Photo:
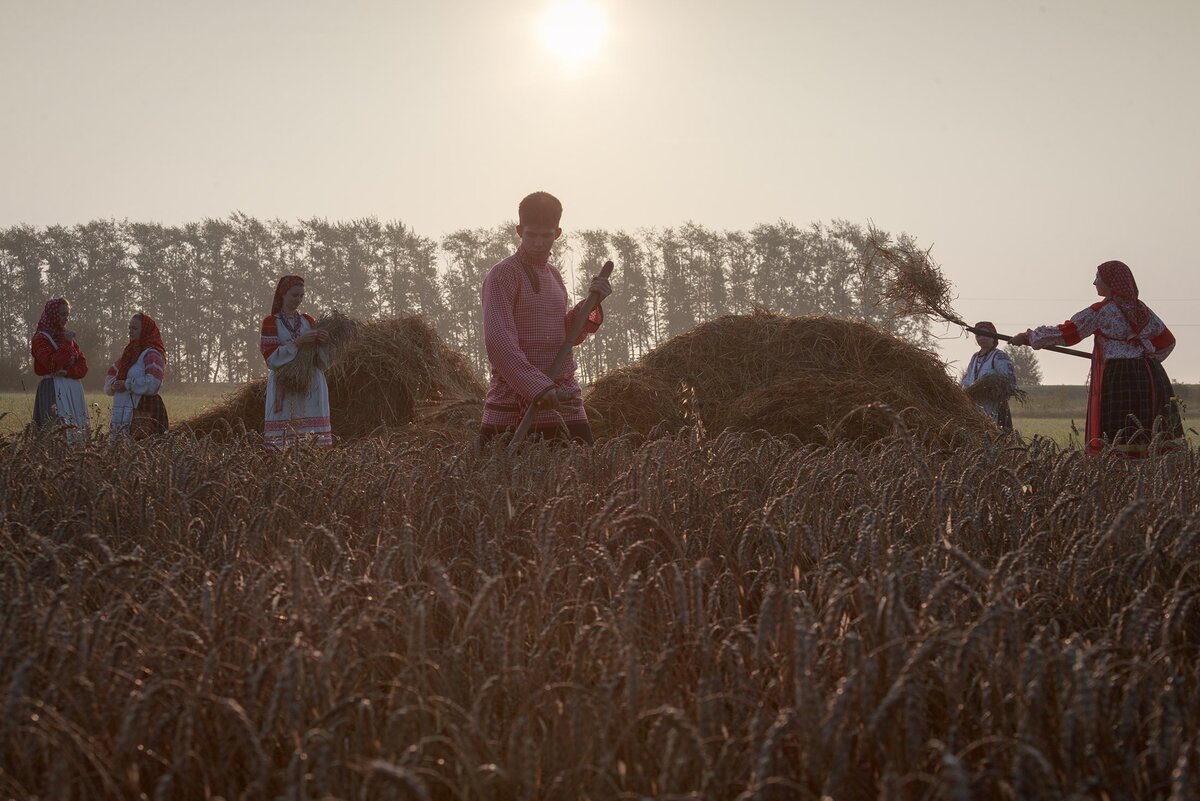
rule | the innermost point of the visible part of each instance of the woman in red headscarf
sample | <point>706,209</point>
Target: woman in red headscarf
<point>57,357</point>
<point>1129,394</point>
<point>134,379</point>
<point>292,416</point>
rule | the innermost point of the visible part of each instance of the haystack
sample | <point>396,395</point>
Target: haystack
<point>804,376</point>
<point>392,374</point>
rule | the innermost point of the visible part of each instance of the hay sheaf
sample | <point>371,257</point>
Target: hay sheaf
<point>391,374</point>
<point>802,376</point>
<point>993,389</point>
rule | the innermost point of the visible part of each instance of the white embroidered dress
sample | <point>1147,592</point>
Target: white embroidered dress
<point>145,377</point>
<point>994,362</point>
<point>289,416</point>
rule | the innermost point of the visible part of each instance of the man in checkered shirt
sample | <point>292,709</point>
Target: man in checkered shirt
<point>526,315</point>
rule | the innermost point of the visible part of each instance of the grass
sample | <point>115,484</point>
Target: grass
<point>16,408</point>
<point>1070,400</point>
<point>1051,411</point>
<point>1053,428</point>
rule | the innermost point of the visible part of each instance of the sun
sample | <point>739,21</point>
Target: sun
<point>574,30</point>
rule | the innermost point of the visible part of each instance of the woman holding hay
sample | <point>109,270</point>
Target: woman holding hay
<point>1129,393</point>
<point>990,379</point>
<point>297,354</point>
<point>134,379</point>
<point>57,357</point>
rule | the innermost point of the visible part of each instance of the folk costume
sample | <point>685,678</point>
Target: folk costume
<point>58,396</point>
<point>1128,389</point>
<point>290,416</point>
<point>992,362</point>
<point>526,314</point>
<point>138,410</point>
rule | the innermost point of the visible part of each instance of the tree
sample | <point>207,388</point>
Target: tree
<point>1025,364</point>
<point>209,282</point>
<point>22,249</point>
<point>471,253</point>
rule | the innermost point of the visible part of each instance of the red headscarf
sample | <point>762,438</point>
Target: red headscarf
<point>1123,291</point>
<point>285,283</point>
<point>149,338</point>
<point>49,321</point>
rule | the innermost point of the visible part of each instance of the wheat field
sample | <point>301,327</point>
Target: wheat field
<point>730,618</point>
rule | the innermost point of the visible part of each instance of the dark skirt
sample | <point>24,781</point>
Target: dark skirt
<point>1004,417</point>
<point>1131,404</point>
<point>149,418</point>
<point>579,432</point>
<point>44,402</point>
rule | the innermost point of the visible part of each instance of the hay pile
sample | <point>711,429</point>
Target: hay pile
<point>817,378</point>
<point>390,374</point>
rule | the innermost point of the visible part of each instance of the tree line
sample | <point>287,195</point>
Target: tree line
<point>209,283</point>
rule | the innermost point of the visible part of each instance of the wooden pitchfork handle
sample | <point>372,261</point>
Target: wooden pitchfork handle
<point>589,303</point>
<point>1056,348</point>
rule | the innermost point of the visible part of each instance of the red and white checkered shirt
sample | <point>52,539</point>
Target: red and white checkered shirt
<point>523,331</point>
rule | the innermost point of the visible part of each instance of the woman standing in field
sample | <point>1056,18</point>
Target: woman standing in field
<point>292,416</point>
<point>57,357</point>
<point>1128,390</point>
<point>134,379</point>
<point>989,360</point>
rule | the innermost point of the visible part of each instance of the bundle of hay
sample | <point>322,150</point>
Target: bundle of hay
<point>804,376</point>
<point>912,280</point>
<point>390,374</point>
<point>296,375</point>
<point>994,390</point>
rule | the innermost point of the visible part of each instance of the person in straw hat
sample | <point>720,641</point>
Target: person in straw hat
<point>291,416</point>
<point>134,379</point>
<point>1129,392</point>
<point>526,314</point>
<point>989,360</point>
<point>58,358</point>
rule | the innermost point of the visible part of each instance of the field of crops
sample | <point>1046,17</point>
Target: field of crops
<point>737,617</point>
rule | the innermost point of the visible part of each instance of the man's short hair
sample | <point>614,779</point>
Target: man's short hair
<point>540,208</point>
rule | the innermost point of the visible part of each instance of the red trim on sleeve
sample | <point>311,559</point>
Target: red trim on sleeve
<point>1070,333</point>
<point>155,365</point>
<point>268,337</point>
<point>1163,341</point>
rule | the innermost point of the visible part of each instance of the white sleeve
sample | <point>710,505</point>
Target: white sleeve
<point>283,354</point>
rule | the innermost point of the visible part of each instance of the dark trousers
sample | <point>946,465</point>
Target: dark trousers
<point>579,432</point>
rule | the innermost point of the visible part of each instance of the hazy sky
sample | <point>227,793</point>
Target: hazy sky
<point>1025,141</point>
